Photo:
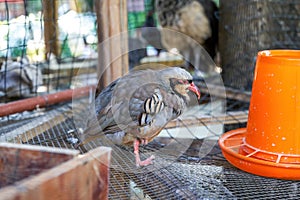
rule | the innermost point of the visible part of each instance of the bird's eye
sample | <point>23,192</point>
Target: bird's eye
<point>184,81</point>
<point>190,81</point>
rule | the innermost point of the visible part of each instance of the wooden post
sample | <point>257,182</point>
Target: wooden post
<point>51,32</point>
<point>113,41</point>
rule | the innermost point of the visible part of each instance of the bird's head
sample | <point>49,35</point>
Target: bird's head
<point>181,82</point>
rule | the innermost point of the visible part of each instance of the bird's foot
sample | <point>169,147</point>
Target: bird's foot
<point>146,162</point>
<point>138,161</point>
<point>144,141</point>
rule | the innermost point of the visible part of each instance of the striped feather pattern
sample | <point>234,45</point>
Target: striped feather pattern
<point>152,106</point>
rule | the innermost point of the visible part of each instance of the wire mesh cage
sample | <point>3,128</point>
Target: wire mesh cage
<point>189,167</point>
<point>37,57</point>
<point>247,27</point>
<point>191,176</point>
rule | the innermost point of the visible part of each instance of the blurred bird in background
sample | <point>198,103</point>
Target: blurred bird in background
<point>133,109</point>
<point>146,35</point>
<point>196,20</point>
<point>151,33</point>
<point>137,50</point>
<point>19,79</point>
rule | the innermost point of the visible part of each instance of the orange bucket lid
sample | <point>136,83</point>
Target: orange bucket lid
<point>271,142</point>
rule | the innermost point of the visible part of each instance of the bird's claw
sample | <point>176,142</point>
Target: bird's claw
<point>146,162</point>
<point>144,141</point>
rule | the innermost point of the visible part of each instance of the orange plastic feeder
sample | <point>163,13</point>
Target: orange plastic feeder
<point>270,145</point>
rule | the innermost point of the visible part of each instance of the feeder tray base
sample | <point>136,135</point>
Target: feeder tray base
<point>230,144</point>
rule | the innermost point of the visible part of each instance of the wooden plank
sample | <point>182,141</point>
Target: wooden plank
<point>221,92</point>
<point>51,32</point>
<point>115,43</point>
<point>103,72</point>
<point>124,36</point>
<point>112,37</point>
<point>84,177</point>
<point>20,161</point>
<point>227,118</point>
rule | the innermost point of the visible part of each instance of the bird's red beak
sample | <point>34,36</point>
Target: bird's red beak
<point>195,89</point>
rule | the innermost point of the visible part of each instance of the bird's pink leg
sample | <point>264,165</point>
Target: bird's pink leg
<point>144,141</point>
<point>138,161</point>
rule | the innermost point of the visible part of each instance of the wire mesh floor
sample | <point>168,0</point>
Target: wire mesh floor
<point>177,173</point>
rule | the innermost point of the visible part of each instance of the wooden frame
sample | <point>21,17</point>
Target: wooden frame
<point>52,173</point>
<point>112,40</point>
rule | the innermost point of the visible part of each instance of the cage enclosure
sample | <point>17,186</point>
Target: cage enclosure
<point>248,26</point>
<point>189,165</point>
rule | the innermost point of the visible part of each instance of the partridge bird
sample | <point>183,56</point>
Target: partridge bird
<point>133,109</point>
<point>193,22</point>
<point>151,33</point>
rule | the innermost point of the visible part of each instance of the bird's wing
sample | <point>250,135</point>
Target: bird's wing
<point>99,117</point>
<point>138,105</point>
<point>120,105</point>
<point>155,109</point>
<point>131,112</point>
<point>103,110</point>
<point>146,103</point>
<point>149,113</point>
<point>134,116</point>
